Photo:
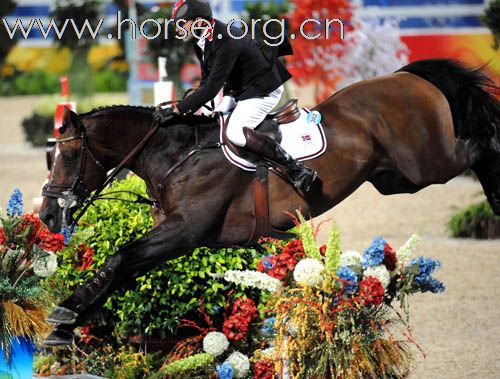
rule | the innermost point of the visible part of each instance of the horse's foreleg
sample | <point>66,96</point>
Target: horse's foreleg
<point>167,241</point>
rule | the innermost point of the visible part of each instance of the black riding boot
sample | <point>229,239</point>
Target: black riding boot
<point>301,176</point>
<point>76,310</point>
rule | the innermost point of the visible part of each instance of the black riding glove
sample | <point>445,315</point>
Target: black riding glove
<point>163,115</point>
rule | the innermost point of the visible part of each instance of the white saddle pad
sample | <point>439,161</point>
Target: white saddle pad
<point>303,140</point>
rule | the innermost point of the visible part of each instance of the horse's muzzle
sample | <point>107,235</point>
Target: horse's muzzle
<point>51,215</point>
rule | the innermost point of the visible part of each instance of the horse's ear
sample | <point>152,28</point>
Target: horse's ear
<point>66,114</point>
<point>65,120</point>
<point>75,121</point>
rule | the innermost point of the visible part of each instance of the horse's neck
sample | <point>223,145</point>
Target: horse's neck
<point>115,140</point>
<point>168,146</point>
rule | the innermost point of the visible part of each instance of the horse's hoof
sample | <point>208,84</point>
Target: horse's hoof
<point>61,315</point>
<point>59,337</point>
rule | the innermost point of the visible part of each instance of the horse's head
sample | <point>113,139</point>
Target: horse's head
<point>75,173</point>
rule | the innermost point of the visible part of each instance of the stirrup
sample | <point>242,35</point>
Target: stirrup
<point>305,180</point>
<point>61,315</point>
<point>59,337</point>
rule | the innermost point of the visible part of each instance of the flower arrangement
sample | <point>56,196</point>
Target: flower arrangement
<point>328,313</point>
<point>27,254</point>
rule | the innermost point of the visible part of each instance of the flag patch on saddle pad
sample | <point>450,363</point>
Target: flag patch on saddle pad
<point>302,139</point>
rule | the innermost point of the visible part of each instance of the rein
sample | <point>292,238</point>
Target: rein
<point>77,195</point>
<point>88,203</point>
<point>197,148</point>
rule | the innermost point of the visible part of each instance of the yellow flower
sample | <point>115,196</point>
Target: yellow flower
<point>7,71</point>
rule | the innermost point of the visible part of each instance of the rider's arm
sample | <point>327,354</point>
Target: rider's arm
<point>224,60</point>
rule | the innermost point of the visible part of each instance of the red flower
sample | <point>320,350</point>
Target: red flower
<point>263,369</point>
<point>371,291</point>
<point>50,241</point>
<point>85,256</point>
<point>266,263</point>
<point>322,249</point>
<point>3,237</point>
<point>32,222</point>
<point>85,330</point>
<point>294,247</point>
<point>390,258</point>
<point>236,326</point>
<point>286,261</point>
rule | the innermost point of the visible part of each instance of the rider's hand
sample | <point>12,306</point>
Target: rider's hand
<point>163,115</point>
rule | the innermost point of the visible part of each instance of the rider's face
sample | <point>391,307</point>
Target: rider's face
<point>193,29</point>
<point>184,31</point>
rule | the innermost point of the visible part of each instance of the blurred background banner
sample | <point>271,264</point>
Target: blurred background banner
<point>429,29</point>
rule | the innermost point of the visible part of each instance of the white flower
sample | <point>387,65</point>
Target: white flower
<point>404,253</point>
<point>268,353</point>
<point>352,260</point>
<point>240,364</point>
<point>253,279</point>
<point>46,265</point>
<point>308,271</point>
<point>215,343</point>
<point>379,272</point>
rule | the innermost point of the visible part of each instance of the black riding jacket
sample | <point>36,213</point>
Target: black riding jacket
<point>238,65</point>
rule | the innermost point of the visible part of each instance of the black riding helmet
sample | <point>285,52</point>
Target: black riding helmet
<point>191,9</point>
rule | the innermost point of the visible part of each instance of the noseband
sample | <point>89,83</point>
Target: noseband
<point>75,195</point>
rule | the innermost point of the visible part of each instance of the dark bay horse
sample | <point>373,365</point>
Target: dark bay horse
<point>422,125</point>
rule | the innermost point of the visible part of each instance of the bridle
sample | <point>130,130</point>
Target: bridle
<point>78,195</point>
<point>75,195</point>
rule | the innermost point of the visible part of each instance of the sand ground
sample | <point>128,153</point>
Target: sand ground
<point>458,330</point>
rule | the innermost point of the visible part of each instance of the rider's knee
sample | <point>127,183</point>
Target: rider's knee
<point>234,133</point>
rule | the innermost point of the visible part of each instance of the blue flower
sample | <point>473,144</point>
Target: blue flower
<point>68,233</point>
<point>15,204</point>
<point>350,278</point>
<point>430,284</point>
<point>266,261</point>
<point>426,266</point>
<point>424,280</point>
<point>225,371</point>
<point>375,253</point>
<point>268,328</point>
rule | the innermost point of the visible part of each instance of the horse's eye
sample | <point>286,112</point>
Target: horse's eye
<point>69,158</point>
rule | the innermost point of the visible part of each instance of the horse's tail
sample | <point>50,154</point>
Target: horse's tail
<point>475,111</point>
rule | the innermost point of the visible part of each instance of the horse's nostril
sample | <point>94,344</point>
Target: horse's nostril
<point>50,221</point>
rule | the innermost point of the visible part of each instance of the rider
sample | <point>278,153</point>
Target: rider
<point>236,64</point>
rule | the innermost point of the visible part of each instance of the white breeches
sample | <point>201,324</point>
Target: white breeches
<point>249,114</point>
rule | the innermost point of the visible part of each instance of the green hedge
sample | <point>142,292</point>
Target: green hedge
<point>474,221</point>
<point>164,296</point>
<point>30,83</point>
<point>491,18</point>
<point>37,128</point>
<point>40,125</point>
<point>39,82</point>
<point>110,81</point>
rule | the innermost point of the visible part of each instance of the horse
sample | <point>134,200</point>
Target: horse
<point>423,124</point>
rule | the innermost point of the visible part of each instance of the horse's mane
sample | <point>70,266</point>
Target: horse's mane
<point>106,110</point>
<point>111,111</point>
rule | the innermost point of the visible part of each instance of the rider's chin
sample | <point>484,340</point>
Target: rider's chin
<point>188,38</point>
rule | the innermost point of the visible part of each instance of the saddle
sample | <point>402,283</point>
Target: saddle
<point>287,113</point>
